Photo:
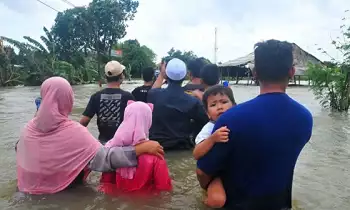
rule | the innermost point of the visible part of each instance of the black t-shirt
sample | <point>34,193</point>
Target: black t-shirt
<point>109,106</point>
<point>140,93</point>
<point>176,117</point>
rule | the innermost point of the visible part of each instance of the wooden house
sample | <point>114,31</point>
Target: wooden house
<point>242,67</point>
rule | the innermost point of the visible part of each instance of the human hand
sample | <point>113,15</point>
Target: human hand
<point>198,94</point>
<point>38,102</point>
<point>220,135</point>
<point>149,147</point>
<point>162,69</point>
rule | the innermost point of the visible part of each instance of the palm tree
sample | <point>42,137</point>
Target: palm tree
<point>38,59</point>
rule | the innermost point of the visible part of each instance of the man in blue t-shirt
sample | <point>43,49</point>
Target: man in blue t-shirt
<point>266,137</point>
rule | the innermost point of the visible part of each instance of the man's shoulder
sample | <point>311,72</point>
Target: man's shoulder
<point>239,112</point>
<point>301,111</point>
<point>97,94</point>
<point>125,92</point>
<point>143,87</point>
<point>137,88</point>
<point>191,87</point>
<point>241,108</point>
<point>191,99</point>
<point>156,90</point>
<point>113,92</point>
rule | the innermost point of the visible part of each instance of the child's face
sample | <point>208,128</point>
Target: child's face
<point>218,104</point>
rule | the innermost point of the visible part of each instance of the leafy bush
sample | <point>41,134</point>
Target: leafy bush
<point>330,81</point>
<point>330,85</point>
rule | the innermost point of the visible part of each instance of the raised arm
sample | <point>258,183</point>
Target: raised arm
<point>161,77</point>
<point>110,159</point>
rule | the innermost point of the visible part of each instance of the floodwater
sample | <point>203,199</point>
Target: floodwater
<point>321,181</point>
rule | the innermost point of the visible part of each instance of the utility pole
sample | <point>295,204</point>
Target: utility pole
<point>1,45</point>
<point>215,45</point>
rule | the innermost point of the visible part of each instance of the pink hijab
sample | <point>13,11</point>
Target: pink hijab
<point>134,129</point>
<point>53,149</point>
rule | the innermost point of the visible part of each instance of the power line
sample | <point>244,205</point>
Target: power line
<point>69,3</point>
<point>47,5</point>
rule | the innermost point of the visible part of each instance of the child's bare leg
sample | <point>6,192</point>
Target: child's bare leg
<point>216,194</point>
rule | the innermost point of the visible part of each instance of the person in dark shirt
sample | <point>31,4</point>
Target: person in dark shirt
<point>108,104</point>
<point>266,136</point>
<point>194,67</point>
<point>174,109</point>
<point>210,76</point>
<point>140,93</point>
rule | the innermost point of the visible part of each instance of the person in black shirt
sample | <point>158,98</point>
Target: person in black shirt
<point>174,110</point>
<point>210,76</point>
<point>194,68</point>
<point>108,104</point>
<point>140,93</point>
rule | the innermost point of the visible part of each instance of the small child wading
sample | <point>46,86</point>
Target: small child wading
<point>216,100</point>
<point>151,174</point>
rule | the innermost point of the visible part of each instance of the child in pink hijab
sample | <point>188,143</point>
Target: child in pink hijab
<point>152,174</point>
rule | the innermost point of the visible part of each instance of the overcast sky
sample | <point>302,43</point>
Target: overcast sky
<point>189,24</point>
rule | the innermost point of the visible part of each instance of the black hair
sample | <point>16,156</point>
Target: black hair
<point>195,66</point>
<point>114,78</point>
<point>148,74</point>
<point>210,74</point>
<point>217,89</point>
<point>273,60</point>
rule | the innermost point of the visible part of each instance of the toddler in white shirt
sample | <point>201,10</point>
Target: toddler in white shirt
<point>216,100</point>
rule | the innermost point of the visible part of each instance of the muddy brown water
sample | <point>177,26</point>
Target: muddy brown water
<point>321,181</point>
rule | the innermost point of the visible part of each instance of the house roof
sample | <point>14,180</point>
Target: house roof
<point>301,57</point>
<point>239,61</point>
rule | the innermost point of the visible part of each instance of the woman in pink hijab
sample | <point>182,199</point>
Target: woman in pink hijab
<point>55,152</point>
<point>152,174</point>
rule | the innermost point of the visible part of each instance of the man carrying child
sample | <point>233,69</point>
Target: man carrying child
<point>216,100</point>
<point>266,136</point>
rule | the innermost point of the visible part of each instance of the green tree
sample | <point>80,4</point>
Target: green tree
<point>107,24</point>
<point>185,56</point>
<point>135,56</point>
<point>92,30</point>
<point>8,72</point>
<point>72,36</point>
<point>331,85</point>
<point>37,59</point>
<point>330,82</point>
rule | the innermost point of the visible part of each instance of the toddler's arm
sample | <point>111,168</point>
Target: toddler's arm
<point>202,148</point>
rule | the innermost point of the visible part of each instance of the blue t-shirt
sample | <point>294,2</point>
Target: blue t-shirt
<point>256,165</point>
